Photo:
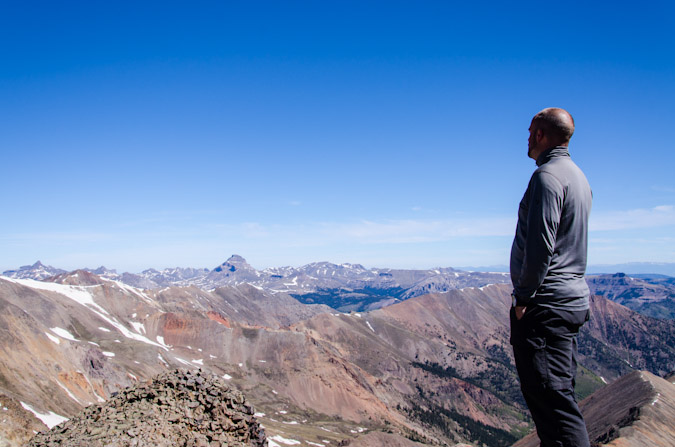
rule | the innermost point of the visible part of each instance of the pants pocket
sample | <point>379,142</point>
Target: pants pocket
<point>531,360</point>
<point>539,365</point>
<point>562,362</point>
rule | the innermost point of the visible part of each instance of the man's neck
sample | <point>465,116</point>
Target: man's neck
<point>547,154</point>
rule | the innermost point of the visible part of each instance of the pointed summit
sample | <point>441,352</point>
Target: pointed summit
<point>37,271</point>
<point>233,271</point>
<point>237,258</point>
<point>233,264</point>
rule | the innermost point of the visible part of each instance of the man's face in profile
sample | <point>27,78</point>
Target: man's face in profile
<point>532,141</point>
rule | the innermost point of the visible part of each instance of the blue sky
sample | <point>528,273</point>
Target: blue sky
<point>391,134</point>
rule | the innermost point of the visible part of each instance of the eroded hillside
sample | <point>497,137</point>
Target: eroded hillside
<point>436,368</point>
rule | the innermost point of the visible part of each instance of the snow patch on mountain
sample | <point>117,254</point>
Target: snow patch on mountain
<point>63,333</point>
<point>50,419</point>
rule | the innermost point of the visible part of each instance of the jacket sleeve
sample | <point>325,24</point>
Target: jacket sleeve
<point>543,219</point>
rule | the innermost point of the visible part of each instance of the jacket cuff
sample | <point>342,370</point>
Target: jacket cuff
<point>519,300</point>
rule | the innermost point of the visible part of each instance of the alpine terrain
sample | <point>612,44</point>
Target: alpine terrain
<point>324,354</point>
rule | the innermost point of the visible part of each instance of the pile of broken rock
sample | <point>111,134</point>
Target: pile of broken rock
<point>177,408</point>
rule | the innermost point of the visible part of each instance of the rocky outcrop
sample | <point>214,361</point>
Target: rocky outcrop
<point>178,408</point>
<point>636,410</point>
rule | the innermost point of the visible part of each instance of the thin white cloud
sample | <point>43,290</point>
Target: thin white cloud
<point>363,232</point>
<point>253,230</point>
<point>658,216</point>
<point>310,234</point>
<point>662,188</point>
<point>664,209</point>
<point>60,237</point>
<point>420,241</point>
<point>414,231</point>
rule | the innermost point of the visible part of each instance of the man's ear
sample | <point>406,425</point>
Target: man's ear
<point>539,135</point>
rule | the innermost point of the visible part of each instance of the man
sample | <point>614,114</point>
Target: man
<point>550,294</point>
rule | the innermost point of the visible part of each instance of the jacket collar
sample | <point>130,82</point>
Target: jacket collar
<point>554,152</point>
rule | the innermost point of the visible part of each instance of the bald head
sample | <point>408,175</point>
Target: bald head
<point>557,123</point>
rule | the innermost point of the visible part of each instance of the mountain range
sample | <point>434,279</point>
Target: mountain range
<point>352,287</point>
<point>652,295</point>
<point>429,367</point>
<point>345,287</point>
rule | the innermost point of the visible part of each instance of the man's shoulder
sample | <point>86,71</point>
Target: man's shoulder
<point>546,177</point>
<point>560,168</point>
<point>561,179</point>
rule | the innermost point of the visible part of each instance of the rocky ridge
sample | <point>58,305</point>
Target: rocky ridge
<point>636,410</point>
<point>176,408</point>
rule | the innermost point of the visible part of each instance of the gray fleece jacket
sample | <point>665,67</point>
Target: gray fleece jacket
<point>548,255</point>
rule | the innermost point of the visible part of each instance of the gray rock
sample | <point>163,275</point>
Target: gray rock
<point>177,408</point>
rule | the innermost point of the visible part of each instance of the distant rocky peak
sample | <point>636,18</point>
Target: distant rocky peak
<point>329,267</point>
<point>353,266</point>
<point>236,259</point>
<point>77,278</point>
<point>233,264</point>
<point>37,271</point>
<point>102,271</point>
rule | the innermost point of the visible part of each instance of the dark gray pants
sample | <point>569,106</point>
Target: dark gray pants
<point>545,349</point>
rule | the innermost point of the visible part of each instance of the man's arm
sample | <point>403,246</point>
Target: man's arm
<point>543,218</point>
